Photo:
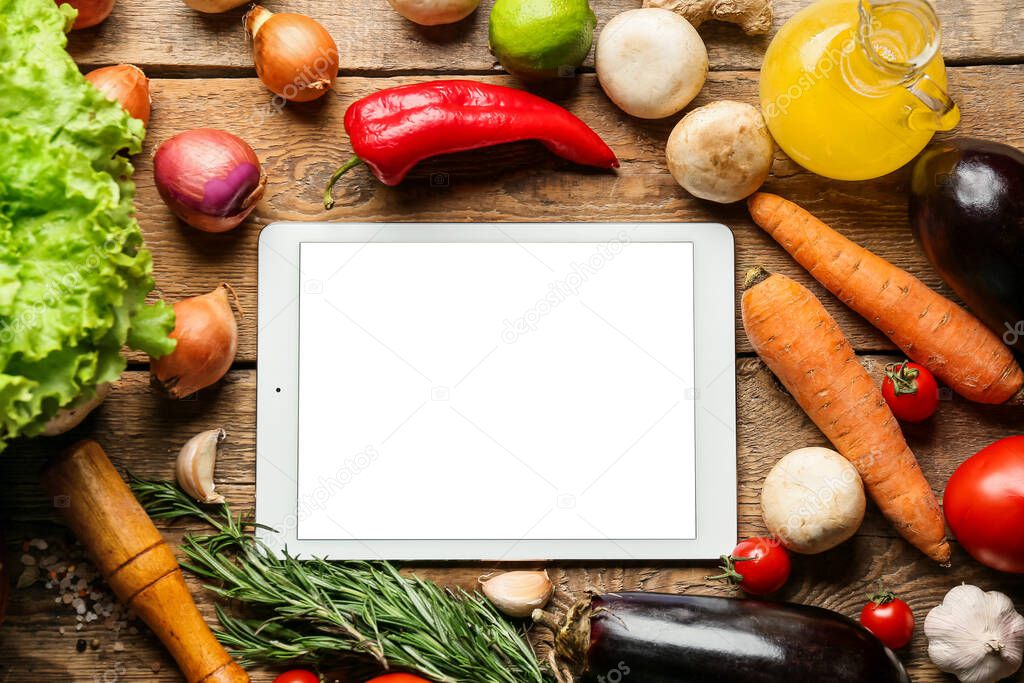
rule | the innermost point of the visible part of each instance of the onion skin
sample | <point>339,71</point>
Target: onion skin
<point>90,12</point>
<point>295,56</point>
<point>207,337</point>
<point>434,12</point>
<point>214,6</point>
<point>209,178</point>
<point>124,83</point>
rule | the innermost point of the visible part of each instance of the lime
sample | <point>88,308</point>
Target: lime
<point>541,38</point>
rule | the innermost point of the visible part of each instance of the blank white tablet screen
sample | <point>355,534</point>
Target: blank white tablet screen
<point>496,391</point>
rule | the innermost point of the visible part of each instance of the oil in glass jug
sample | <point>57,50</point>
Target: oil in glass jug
<point>854,89</point>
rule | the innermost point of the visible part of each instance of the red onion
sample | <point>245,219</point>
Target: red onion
<point>90,12</point>
<point>207,336</point>
<point>126,84</point>
<point>209,179</point>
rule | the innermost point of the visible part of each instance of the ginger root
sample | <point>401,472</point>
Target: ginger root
<point>754,17</point>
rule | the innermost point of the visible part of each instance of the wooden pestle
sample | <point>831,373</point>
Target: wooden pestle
<point>135,560</point>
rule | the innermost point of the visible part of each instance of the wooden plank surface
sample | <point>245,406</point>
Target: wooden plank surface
<point>301,146</point>
<point>142,431</point>
<point>203,77</point>
<point>170,38</point>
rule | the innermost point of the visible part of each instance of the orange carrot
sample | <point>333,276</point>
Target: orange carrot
<point>930,329</point>
<point>801,343</point>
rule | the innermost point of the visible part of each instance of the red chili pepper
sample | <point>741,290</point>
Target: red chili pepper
<point>394,129</point>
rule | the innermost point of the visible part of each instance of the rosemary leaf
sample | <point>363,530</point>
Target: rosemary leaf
<point>315,611</point>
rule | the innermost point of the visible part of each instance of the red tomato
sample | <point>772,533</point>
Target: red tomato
<point>911,391</point>
<point>890,619</point>
<point>297,676</point>
<point>984,505</point>
<point>757,565</point>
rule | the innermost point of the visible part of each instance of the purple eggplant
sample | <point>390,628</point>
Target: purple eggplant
<point>659,638</point>
<point>967,211</point>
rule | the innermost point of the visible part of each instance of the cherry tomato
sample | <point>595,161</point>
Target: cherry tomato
<point>297,676</point>
<point>911,391</point>
<point>984,505</point>
<point>889,618</point>
<point>757,565</point>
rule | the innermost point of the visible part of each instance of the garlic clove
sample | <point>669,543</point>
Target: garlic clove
<point>195,464</point>
<point>517,594</point>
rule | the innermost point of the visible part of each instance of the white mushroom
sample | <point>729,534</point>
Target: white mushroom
<point>721,151</point>
<point>812,500</point>
<point>651,62</point>
<point>434,12</point>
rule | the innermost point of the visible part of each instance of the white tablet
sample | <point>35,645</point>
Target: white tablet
<point>497,391</point>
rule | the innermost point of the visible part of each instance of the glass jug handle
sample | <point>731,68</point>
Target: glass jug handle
<point>939,111</point>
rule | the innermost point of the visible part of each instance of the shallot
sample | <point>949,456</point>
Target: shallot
<point>214,6</point>
<point>124,83</point>
<point>295,56</point>
<point>207,337</point>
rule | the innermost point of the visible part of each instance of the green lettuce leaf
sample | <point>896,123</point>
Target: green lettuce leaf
<point>74,275</point>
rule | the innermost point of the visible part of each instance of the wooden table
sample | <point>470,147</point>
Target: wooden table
<point>202,76</point>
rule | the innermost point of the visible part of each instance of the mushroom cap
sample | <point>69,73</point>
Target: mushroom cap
<point>651,62</point>
<point>813,500</point>
<point>721,151</point>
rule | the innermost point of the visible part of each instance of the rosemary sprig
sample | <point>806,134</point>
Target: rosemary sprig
<point>317,611</point>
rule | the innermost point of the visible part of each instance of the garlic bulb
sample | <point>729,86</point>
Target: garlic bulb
<point>517,594</point>
<point>975,635</point>
<point>194,468</point>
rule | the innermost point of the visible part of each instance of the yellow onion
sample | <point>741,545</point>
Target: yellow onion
<point>207,336</point>
<point>126,84</point>
<point>295,56</point>
<point>209,178</point>
<point>90,12</point>
<point>214,6</point>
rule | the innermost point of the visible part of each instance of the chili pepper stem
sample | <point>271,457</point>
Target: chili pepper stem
<point>351,163</point>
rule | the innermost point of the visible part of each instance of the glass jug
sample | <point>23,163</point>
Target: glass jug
<point>854,89</point>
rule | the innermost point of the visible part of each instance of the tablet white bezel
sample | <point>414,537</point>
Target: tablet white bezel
<point>715,392</point>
